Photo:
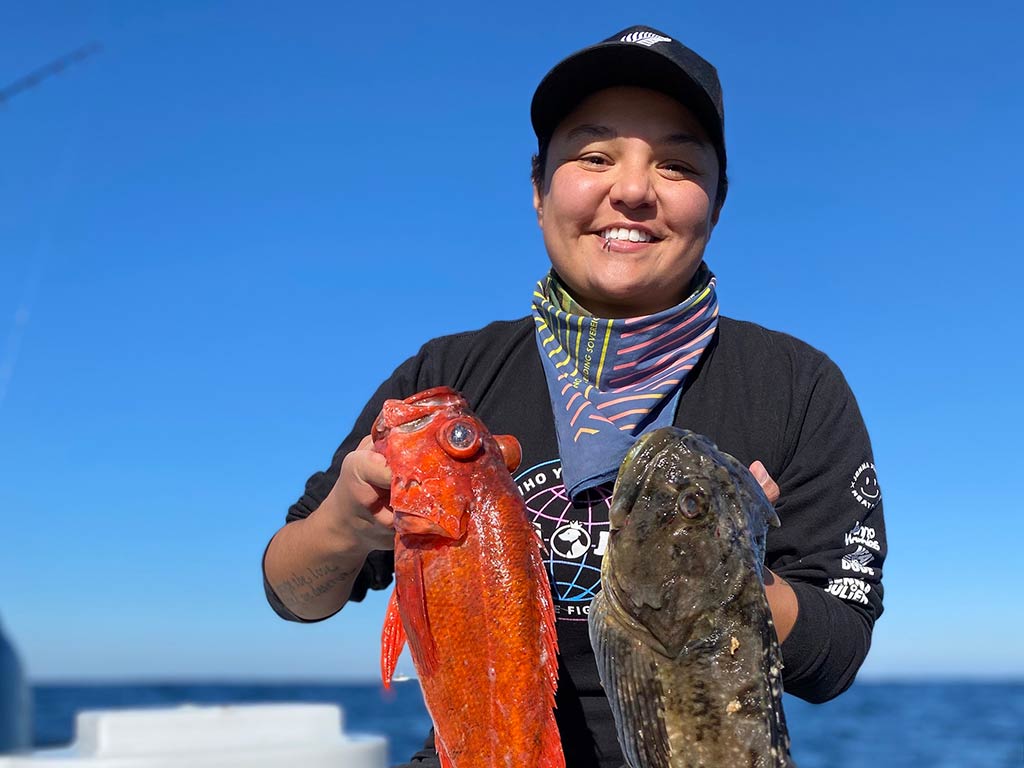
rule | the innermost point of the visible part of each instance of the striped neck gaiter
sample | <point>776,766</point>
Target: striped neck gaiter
<point>610,381</point>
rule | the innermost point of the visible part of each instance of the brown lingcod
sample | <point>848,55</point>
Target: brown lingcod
<point>681,630</point>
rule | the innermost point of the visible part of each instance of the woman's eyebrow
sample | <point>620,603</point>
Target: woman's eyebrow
<point>684,138</point>
<point>596,131</point>
<point>591,131</point>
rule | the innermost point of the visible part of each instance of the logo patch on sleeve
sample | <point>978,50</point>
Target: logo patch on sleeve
<point>864,486</point>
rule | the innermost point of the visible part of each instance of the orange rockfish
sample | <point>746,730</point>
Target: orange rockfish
<point>471,594</point>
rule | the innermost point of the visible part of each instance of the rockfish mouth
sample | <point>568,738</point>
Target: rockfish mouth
<point>428,439</point>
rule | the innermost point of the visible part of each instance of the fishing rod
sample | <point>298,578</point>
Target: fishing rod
<point>55,67</point>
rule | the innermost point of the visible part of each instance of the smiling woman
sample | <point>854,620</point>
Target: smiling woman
<point>628,201</point>
<point>624,337</point>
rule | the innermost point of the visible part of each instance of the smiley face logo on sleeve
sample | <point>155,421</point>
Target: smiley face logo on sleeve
<point>864,486</point>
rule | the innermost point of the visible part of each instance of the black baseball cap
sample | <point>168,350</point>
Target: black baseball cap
<point>637,56</point>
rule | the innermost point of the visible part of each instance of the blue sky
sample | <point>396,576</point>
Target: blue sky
<point>218,234</point>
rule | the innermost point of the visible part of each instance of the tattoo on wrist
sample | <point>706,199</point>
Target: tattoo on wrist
<point>303,588</point>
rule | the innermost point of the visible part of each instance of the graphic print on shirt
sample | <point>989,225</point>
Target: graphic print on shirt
<point>858,560</point>
<point>854,590</point>
<point>864,486</point>
<point>865,545</point>
<point>863,535</point>
<point>574,533</point>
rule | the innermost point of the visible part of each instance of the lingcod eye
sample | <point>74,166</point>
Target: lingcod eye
<point>691,503</point>
<point>460,438</point>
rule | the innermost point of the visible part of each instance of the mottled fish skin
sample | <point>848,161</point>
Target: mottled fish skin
<point>681,630</point>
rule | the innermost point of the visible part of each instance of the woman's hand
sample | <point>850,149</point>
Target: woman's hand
<point>781,597</point>
<point>769,486</point>
<point>356,510</point>
<point>312,564</point>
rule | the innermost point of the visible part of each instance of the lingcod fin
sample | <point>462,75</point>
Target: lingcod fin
<point>392,640</point>
<point>629,674</point>
<point>773,663</point>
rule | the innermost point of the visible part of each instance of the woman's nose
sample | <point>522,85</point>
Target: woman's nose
<point>633,186</point>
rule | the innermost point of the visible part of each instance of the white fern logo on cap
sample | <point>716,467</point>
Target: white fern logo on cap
<point>645,38</point>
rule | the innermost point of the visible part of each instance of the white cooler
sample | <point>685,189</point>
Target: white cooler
<point>242,736</point>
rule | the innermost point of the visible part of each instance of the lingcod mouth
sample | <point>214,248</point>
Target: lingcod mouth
<point>628,234</point>
<point>633,472</point>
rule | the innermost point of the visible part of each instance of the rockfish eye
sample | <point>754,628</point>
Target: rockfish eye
<point>692,502</point>
<point>460,438</point>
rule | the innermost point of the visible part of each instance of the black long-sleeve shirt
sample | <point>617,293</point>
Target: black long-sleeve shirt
<point>760,395</point>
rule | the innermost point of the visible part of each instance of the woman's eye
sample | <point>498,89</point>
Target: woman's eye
<point>677,170</point>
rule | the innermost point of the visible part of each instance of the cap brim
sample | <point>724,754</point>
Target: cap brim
<point>612,64</point>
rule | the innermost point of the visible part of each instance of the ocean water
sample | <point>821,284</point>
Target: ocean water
<point>877,725</point>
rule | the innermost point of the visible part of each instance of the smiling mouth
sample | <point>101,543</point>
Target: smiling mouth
<point>620,234</point>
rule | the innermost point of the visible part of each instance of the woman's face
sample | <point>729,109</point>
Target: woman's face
<point>628,201</point>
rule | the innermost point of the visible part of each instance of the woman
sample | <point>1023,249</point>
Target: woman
<point>625,336</point>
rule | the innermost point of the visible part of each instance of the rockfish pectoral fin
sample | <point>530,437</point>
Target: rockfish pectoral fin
<point>511,451</point>
<point>629,674</point>
<point>414,610</point>
<point>442,753</point>
<point>392,640</point>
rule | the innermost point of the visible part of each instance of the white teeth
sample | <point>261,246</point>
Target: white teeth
<point>622,233</point>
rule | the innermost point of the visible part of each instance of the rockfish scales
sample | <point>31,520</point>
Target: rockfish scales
<point>681,629</point>
<point>471,594</point>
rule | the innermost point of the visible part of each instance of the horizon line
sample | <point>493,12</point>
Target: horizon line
<point>1003,678</point>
